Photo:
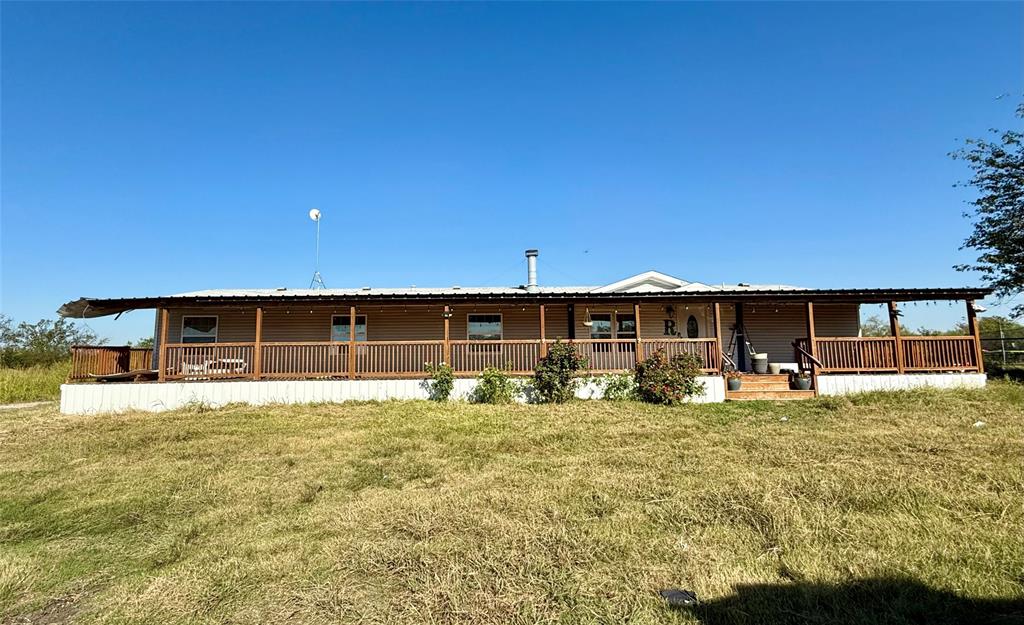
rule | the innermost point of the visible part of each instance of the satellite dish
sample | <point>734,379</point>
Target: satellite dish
<point>315,214</point>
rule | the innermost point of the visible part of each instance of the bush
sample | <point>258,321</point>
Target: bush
<point>621,387</point>
<point>494,386</point>
<point>662,380</point>
<point>442,381</point>
<point>43,343</point>
<point>554,378</point>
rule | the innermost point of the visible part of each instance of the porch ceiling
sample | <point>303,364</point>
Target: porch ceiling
<point>87,307</point>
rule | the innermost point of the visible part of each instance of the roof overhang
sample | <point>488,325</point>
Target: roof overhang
<point>88,308</point>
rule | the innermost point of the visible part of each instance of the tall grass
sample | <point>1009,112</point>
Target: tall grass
<point>33,383</point>
<point>882,508</point>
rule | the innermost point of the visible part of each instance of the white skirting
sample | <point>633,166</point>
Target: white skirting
<point>849,384</point>
<point>156,397</point>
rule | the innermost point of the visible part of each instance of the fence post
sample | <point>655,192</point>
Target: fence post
<point>447,314</point>
<point>543,334</point>
<point>718,335</point>
<point>975,331</point>
<point>894,329</point>
<point>352,343</point>
<point>257,354</point>
<point>639,345</point>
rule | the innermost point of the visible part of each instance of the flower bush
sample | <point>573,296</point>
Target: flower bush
<point>620,387</point>
<point>554,378</point>
<point>495,386</point>
<point>663,380</point>
<point>442,380</point>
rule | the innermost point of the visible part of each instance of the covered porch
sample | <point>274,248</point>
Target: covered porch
<point>274,341</point>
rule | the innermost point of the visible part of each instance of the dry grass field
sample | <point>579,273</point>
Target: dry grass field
<point>884,508</point>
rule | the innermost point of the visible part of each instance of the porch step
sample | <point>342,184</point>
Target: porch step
<point>749,395</point>
<point>764,382</point>
<point>753,384</point>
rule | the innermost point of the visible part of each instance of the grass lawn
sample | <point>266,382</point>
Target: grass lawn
<point>873,509</point>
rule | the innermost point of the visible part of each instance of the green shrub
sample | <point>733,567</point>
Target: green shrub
<point>442,381</point>
<point>494,386</point>
<point>38,383</point>
<point>662,380</point>
<point>554,378</point>
<point>621,387</point>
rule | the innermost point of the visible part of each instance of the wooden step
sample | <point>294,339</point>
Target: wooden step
<point>753,384</point>
<point>748,395</point>
<point>766,377</point>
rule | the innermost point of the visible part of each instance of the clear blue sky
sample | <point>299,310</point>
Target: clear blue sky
<point>165,147</point>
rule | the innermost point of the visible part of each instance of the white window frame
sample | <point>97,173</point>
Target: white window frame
<point>216,328</point>
<point>366,328</point>
<point>501,322</point>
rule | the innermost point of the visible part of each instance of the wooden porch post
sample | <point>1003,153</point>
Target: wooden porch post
<point>639,345</point>
<point>718,335</point>
<point>257,347</point>
<point>162,361</point>
<point>543,334</point>
<point>571,314</point>
<point>812,342</point>
<point>894,329</point>
<point>975,331</point>
<point>352,343</point>
<point>447,336</point>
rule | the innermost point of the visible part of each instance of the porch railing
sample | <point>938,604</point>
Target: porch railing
<point>94,360</point>
<point>843,354</point>
<point>376,359</point>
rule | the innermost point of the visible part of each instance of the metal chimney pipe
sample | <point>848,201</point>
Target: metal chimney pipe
<point>531,270</point>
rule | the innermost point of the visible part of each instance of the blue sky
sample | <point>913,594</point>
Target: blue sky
<point>166,147</point>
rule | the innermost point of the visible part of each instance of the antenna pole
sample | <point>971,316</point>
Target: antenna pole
<point>317,281</point>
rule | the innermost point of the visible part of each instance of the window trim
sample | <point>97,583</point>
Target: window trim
<point>501,322</point>
<point>216,329</point>
<point>366,328</point>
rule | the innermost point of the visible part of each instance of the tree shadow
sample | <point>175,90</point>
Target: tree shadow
<point>858,602</point>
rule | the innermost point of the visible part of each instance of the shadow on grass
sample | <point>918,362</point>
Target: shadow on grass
<point>861,602</point>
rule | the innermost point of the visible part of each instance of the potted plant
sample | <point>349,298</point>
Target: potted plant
<point>734,379</point>
<point>801,381</point>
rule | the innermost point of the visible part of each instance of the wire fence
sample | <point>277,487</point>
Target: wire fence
<point>1007,350</point>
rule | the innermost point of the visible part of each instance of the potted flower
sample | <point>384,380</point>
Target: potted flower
<point>734,379</point>
<point>801,381</point>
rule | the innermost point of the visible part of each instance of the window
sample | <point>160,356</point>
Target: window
<point>340,327</point>
<point>601,326</point>
<point>625,326</point>
<point>692,329</point>
<point>483,327</point>
<point>199,329</point>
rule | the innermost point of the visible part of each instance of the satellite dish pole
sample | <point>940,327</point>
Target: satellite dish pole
<point>317,282</point>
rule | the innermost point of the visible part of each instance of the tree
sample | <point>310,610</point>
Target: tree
<point>146,341</point>
<point>874,326</point>
<point>40,343</point>
<point>998,177</point>
<point>989,327</point>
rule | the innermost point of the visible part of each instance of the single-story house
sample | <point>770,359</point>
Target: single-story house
<point>263,345</point>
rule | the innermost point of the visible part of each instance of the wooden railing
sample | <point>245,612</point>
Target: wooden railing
<point>853,354</point>
<point>95,360</point>
<point>208,361</point>
<point>704,349</point>
<point>384,359</point>
<point>513,356</point>
<point>939,353</point>
<point>297,360</point>
<point>377,359</point>
<point>402,359</point>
